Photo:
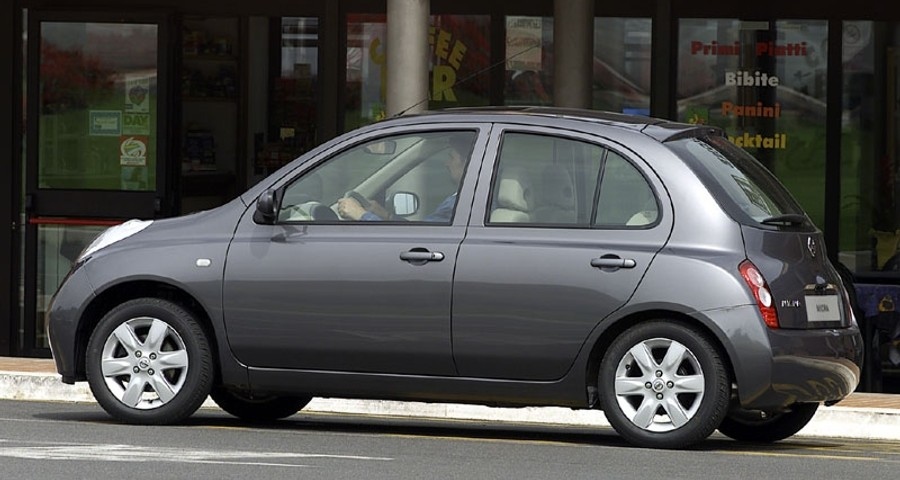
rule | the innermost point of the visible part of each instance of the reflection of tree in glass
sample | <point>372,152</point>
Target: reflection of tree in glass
<point>68,77</point>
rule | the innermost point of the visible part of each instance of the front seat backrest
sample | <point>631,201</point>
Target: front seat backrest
<point>513,198</point>
<point>556,202</point>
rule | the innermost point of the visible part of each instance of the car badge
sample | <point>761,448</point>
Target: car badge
<point>811,246</point>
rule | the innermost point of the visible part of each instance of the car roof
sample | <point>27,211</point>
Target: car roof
<point>660,129</point>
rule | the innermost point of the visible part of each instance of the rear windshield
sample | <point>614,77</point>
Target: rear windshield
<point>745,188</point>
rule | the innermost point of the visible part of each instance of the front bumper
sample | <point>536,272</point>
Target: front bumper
<point>64,323</point>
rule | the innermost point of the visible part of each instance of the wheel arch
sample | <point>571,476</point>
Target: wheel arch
<point>123,292</point>
<point>620,325</point>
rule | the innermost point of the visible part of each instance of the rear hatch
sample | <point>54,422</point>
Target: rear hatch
<point>779,239</point>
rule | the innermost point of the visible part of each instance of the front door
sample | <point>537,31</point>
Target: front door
<point>97,117</point>
<point>355,273</point>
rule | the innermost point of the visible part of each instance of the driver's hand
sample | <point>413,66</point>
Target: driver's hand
<point>350,209</point>
<point>377,209</point>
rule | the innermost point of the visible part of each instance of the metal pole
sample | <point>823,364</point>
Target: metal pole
<point>407,56</point>
<point>573,53</point>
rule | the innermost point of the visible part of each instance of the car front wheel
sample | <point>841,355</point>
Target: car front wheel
<point>753,427</point>
<point>663,385</point>
<point>149,362</point>
<point>258,408</point>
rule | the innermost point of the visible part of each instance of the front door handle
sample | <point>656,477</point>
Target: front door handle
<point>420,256</point>
<point>612,261</point>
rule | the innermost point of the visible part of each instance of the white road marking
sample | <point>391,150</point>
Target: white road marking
<point>132,453</point>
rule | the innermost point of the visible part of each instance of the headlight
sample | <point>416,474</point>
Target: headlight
<point>112,235</point>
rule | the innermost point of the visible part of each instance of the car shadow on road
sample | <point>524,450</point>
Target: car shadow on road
<point>475,430</point>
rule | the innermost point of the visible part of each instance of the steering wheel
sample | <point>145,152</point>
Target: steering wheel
<point>363,201</point>
<point>312,210</point>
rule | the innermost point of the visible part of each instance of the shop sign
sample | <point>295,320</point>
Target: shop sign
<point>137,93</point>
<point>136,124</point>
<point>105,123</point>
<point>133,150</point>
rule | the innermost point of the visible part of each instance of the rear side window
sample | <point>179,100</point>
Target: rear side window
<point>545,180</point>
<point>744,186</point>
<point>626,200</point>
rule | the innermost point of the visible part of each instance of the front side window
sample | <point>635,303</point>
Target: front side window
<point>546,180</point>
<point>403,178</point>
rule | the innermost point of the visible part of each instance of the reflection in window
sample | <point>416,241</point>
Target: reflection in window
<point>292,117</point>
<point>869,217</point>
<point>620,68</point>
<point>58,248</point>
<point>97,106</point>
<point>459,47</point>
<point>529,61</point>
<point>764,83</point>
<point>622,65</point>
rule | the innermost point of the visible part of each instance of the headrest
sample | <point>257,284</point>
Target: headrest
<point>557,188</point>
<point>513,191</point>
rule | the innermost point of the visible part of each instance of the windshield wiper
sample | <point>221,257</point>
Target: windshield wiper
<point>786,219</point>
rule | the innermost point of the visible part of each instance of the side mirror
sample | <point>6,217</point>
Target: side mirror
<point>405,203</point>
<point>266,208</point>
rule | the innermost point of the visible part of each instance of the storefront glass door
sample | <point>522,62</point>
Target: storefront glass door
<point>96,116</point>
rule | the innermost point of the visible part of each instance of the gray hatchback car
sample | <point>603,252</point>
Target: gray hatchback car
<point>508,257</point>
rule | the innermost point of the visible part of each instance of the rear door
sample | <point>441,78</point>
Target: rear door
<point>563,228</point>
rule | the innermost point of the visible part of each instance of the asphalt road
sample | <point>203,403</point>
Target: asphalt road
<point>42,440</point>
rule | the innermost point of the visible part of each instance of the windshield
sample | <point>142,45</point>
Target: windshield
<point>746,189</point>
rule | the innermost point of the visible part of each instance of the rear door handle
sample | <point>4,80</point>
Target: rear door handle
<point>612,261</point>
<point>421,256</point>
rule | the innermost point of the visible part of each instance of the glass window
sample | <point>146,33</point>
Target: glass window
<point>292,114</point>
<point>622,65</point>
<point>870,129</point>
<point>529,61</point>
<point>764,83</point>
<point>98,106</point>
<point>59,246</point>
<point>626,200</point>
<point>544,180</point>
<point>459,61</point>
<point>404,178</point>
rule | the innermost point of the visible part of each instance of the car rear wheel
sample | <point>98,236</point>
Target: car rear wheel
<point>663,385</point>
<point>750,426</point>
<point>257,408</point>
<point>149,362</point>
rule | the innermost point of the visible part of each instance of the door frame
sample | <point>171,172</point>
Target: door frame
<point>89,207</point>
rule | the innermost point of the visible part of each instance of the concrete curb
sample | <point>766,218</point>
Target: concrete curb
<point>830,422</point>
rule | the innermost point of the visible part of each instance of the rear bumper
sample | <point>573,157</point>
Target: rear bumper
<point>811,366</point>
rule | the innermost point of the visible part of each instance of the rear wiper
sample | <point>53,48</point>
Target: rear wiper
<point>786,219</point>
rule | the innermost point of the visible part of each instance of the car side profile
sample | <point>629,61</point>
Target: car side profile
<point>500,256</point>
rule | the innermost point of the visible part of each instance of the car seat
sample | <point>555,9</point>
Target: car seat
<point>513,198</point>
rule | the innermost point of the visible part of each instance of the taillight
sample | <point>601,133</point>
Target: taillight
<point>761,292</point>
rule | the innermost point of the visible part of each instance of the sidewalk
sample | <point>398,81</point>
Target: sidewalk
<point>861,415</point>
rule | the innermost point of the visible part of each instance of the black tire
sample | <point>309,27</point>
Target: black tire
<point>143,380</point>
<point>257,408</point>
<point>750,427</point>
<point>663,404</point>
